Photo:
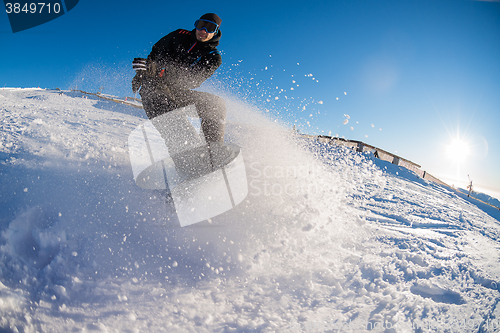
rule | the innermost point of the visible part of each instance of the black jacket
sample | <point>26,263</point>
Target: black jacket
<point>179,61</point>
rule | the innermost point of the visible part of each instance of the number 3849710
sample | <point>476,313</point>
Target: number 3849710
<point>33,8</point>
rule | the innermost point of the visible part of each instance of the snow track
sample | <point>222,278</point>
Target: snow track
<point>327,240</point>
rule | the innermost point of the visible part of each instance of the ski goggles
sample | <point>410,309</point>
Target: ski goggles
<point>209,26</point>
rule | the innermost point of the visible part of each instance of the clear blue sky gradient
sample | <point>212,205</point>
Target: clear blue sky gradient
<point>411,75</point>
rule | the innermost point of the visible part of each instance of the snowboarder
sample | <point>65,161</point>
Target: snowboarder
<point>179,62</point>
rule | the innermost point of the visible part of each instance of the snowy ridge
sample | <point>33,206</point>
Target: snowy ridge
<point>327,240</point>
<point>482,197</point>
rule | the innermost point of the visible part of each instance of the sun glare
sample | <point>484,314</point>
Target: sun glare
<point>458,150</point>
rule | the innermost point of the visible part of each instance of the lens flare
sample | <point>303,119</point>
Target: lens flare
<point>458,150</point>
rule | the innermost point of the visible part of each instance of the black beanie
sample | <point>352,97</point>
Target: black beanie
<point>211,17</point>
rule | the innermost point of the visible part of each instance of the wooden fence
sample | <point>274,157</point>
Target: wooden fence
<point>360,146</point>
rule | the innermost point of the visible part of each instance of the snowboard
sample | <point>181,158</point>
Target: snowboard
<point>202,181</point>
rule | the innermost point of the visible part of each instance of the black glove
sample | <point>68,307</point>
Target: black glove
<point>140,67</point>
<point>139,64</point>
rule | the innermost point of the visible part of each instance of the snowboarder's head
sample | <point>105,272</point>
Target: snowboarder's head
<point>207,26</point>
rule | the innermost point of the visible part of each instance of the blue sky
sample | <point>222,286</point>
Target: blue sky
<point>411,77</point>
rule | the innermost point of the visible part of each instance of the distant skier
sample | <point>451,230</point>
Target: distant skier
<point>179,62</point>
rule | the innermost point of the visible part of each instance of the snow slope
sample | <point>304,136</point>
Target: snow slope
<point>327,240</point>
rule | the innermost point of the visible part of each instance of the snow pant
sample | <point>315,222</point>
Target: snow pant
<point>181,138</point>
<point>210,108</point>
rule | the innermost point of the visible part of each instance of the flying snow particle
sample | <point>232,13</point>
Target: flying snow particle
<point>352,128</point>
<point>347,116</point>
<point>320,102</point>
<point>346,121</point>
<point>337,98</point>
<point>345,93</point>
<point>373,125</point>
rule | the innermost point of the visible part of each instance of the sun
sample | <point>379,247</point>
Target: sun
<point>458,150</point>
